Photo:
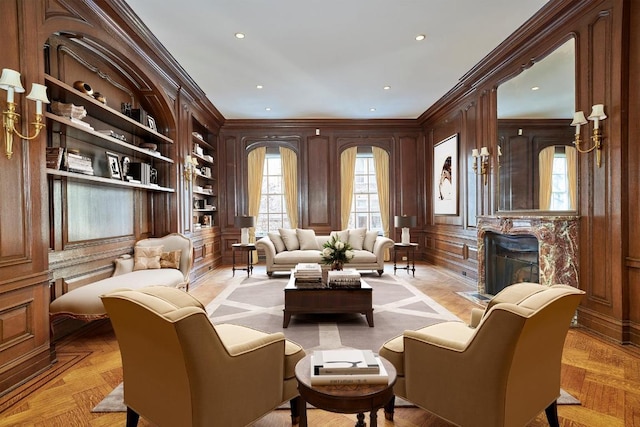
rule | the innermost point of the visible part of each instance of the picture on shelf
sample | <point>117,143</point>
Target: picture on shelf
<point>152,123</point>
<point>207,220</point>
<point>114,165</point>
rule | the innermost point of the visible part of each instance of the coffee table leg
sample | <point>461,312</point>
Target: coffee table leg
<point>302,411</point>
<point>361,422</point>
<point>369,315</point>
<point>286,319</point>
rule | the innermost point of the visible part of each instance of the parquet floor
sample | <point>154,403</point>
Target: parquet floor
<point>604,376</point>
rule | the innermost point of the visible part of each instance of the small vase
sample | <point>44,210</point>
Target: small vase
<point>337,265</point>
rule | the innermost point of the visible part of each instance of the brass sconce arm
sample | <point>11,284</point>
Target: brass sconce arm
<point>481,162</point>
<point>597,114</point>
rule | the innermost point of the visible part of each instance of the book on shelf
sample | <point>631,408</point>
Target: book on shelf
<point>345,361</point>
<point>382,377</point>
<point>54,157</point>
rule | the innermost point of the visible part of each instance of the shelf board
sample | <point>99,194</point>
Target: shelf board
<point>194,154</point>
<point>107,181</point>
<point>203,193</point>
<point>102,112</point>
<point>105,141</point>
<point>205,210</point>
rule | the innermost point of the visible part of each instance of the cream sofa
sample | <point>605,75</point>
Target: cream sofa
<point>163,261</point>
<point>288,247</point>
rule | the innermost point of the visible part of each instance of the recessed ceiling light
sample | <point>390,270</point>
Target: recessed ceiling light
<point>239,35</point>
<point>535,88</point>
<point>258,86</point>
<point>268,109</point>
<point>420,37</point>
<point>372,109</point>
<point>386,87</point>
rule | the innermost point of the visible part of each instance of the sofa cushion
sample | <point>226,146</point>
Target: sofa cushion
<point>85,302</point>
<point>298,256</point>
<point>290,238</point>
<point>361,257</point>
<point>369,240</point>
<point>307,239</point>
<point>277,241</point>
<point>342,235</point>
<point>146,257</point>
<point>170,259</point>
<point>356,238</point>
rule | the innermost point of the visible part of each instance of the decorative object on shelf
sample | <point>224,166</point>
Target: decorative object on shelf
<point>125,108</point>
<point>140,115</point>
<point>336,253</point>
<point>151,122</point>
<point>10,81</point>
<point>68,110</point>
<point>114,165</point>
<point>54,157</point>
<point>597,114</point>
<point>83,87</point>
<point>124,163</point>
<point>445,176</point>
<point>244,223</point>
<point>153,176</point>
<point>190,170</point>
<point>198,135</point>
<point>405,222</point>
<point>207,221</point>
<point>78,163</point>
<point>149,146</point>
<point>481,162</point>
<point>113,134</point>
<point>100,98</point>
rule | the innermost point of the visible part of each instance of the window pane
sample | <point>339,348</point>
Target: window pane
<point>365,209</point>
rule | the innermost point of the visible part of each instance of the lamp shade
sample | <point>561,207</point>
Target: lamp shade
<point>597,112</point>
<point>242,221</point>
<point>11,79</point>
<point>578,119</point>
<point>38,93</point>
<point>405,221</point>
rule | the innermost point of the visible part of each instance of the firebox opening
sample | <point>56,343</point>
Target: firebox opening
<point>510,259</point>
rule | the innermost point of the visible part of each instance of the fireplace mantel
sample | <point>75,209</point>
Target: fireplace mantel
<point>557,238</point>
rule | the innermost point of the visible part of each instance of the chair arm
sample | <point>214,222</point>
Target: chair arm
<point>255,344</point>
<point>449,335</point>
<point>476,316</point>
<point>268,247</point>
<point>380,245</point>
<point>124,264</point>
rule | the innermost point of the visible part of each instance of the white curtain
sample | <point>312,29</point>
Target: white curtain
<point>289,161</point>
<point>381,163</point>
<point>572,170</point>
<point>545,172</point>
<point>347,175</point>
<point>255,166</point>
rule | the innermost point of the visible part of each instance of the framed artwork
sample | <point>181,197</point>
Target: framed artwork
<point>445,176</point>
<point>114,165</point>
<point>152,123</point>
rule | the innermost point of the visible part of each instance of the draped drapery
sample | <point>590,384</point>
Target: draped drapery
<point>545,172</point>
<point>255,167</point>
<point>347,175</point>
<point>289,161</point>
<point>572,171</point>
<point>381,164</point>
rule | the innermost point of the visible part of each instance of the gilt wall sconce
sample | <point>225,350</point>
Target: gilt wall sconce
<point>10,81</point>
<point>597,114</point>
<point>190,170</point>
<point>481,162</point>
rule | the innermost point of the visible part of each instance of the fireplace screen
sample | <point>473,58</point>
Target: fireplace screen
<point>510,259</point>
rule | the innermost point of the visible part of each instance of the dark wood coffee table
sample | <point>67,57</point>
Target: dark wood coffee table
<point>327,300</point>
<point>343,398</point>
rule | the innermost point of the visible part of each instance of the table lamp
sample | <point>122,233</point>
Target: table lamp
<point>244,223</point>
<point>405,222</point>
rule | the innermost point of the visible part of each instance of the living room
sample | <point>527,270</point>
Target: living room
<point>67,228</point>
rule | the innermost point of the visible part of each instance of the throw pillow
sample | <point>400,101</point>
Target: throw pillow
<point>307,239</point>
<point>369,240</point>
<point>342,235</point>
<point>146,257</point>
<point>171,259</point>
<point>289,238</point>
<point>356,238</point>
<point>277,241</point>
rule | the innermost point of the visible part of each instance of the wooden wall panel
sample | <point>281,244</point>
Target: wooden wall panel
<point>318,201</point>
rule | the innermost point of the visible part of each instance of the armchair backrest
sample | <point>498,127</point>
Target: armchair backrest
<point>167,378</point>
<point>173,242</point>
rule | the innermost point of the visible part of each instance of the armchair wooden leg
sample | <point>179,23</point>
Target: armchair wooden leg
<point>295,412</point>
<point>552,414</point>
<point>132,418</point>
<point>390,408</point>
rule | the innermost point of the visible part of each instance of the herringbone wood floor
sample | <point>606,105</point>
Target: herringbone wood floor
<point>604,376</point>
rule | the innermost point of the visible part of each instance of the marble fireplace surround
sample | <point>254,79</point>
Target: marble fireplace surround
<point>557,244</point>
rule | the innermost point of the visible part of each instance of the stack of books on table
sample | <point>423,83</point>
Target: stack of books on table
<point>347,278</point>
<point>347,366</point>
<point>308,275</point>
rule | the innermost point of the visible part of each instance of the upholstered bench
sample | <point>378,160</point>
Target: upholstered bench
<point>164,261</point>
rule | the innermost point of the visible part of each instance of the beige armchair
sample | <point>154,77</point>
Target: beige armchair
<point>181,370</point>
<point>503,371</point>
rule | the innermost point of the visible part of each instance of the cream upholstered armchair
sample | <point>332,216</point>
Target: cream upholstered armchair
<point>503,371</point>
<point>181,370</point>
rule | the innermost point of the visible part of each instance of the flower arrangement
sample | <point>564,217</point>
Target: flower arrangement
<point>336,253</point>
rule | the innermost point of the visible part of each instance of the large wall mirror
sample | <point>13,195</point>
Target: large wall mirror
<point>538,162</point>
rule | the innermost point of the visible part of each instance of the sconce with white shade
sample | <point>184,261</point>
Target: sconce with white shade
<point>244,223</point>
<point>405,222</point>
<point>481,162</point>
<point>597,114</point>
<point>190,165</point>
<point>10,81</point>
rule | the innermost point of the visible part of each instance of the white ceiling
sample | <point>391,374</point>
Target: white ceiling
<point>330,58</point>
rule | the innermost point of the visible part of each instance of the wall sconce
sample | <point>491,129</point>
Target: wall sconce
<point>405,222</point>
<point>190,170</point>
<point>244,223</point>
<point>10,81</point>
<point>481,162</point>
<point>597,114</point>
